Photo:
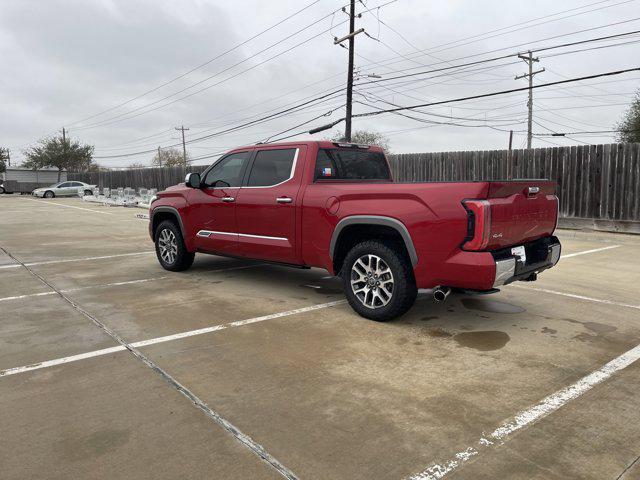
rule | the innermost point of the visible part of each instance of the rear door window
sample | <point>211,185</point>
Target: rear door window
<point>344,164</point>
<point>271,167</point>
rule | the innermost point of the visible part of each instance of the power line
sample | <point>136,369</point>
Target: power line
<point>483,36</point>
<point>502,92</point>
<point>131,114</point>
<point>197,67</point>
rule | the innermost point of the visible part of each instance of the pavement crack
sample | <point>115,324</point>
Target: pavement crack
<point>619,477</point>
<point>241,437</point>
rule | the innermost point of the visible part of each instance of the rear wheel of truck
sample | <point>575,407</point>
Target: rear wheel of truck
<point>49,194</point>
<point>378,280</point>
<point>170,248</point>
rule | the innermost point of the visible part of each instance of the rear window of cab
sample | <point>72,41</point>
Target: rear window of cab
<point>351,164</point>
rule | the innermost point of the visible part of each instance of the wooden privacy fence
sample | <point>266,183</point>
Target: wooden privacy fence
<point>599,182</point>
<point>156,177</point>
<point>596,182</point>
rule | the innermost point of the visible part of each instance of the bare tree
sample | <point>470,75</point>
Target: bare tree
<point>365,137</point>
<point>168,157</point>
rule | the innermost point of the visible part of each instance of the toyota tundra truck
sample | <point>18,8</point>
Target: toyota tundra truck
<point>335,206</point>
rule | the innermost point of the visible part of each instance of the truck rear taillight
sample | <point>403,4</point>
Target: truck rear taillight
<point>479,224</point>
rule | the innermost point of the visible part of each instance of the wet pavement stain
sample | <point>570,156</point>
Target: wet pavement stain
<point>438,332</point>
<point>429,317</point>
<point>95,444</point>
<point>596,327</point>
<point>491,306</point>
<point>548,330</point>
<point>484,340</point>
<point>323,290</point>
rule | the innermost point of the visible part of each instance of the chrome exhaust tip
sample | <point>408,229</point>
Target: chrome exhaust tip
<point>440,294</point>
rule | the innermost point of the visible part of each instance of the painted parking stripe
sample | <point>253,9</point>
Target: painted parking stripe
<point>578,297</point>
<point>79,289</point>
<point>590,251</point>
<point>116,284</point>
<point>84,259</point>
<point>167,338</point>
<point>69,206</point>
<point>61,361</point>
<point>526,417</point>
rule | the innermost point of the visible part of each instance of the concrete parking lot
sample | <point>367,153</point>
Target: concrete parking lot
<point>111,367</point>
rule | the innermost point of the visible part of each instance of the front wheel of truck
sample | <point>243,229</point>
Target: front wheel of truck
<point>378,280</point>
<point>170,248</point>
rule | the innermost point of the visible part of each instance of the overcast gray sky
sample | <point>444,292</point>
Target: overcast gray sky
<point>74,63</point>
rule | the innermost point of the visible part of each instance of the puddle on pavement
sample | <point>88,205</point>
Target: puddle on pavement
<point>491,306</point>
<point>484,340</point>
<point>548,330</point>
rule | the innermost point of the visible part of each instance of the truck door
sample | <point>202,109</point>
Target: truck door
<point>266,204</point>
<point>213,207</point>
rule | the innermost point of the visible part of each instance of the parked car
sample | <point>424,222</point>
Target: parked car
<point>336,206</point>
<point>64,189</point>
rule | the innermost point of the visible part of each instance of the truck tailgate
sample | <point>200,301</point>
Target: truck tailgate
<point>521,211</point>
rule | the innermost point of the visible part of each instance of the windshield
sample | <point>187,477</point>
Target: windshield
<point>351,164</point>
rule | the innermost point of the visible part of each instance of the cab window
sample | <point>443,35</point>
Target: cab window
<point>351,164</point>
<point>227,172</point>
<point>271,167</point>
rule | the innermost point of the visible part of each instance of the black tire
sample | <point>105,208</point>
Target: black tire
<point>88,193</point>
<point>183,258</point>
<point>49,194</point>
<point>1,190</point>
<point>404,290</point>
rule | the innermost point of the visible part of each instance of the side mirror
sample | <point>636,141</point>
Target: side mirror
<point>192,180</point>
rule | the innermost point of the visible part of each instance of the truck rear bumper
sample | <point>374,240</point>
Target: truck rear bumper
<point>487,270</point>
<point>540,255</point>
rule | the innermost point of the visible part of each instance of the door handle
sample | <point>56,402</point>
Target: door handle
<point>228,199</point>
<point>283,200</point>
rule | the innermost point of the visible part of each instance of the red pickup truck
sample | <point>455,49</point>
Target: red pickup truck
<point>336,206</point>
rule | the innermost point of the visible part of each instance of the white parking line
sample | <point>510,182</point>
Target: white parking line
<point>167,338</point>
<point>79,289</point>
<point>50,262</point>
<point>61,361</point>
<point>590,251</point>
<point>69,206</point>
<point>526,417</point>
<point>579,297</point>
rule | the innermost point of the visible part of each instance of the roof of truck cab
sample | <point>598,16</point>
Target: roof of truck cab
<point>319,143</point>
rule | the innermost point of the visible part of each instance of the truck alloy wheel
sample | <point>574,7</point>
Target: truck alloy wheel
<point>168,246</point>
<point>372,281</point>
<point>378,280</point>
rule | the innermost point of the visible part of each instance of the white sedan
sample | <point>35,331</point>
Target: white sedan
<point>64,189</point>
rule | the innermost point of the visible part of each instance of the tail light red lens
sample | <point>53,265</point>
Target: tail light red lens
<point>479,212</point>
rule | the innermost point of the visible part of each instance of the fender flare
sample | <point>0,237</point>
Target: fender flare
<point>172,210</point>
<point>397,225</point>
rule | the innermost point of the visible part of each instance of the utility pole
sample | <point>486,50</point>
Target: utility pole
<point>184,145</point>
<point>529,59</point>
<point>509,157</point>
<point>159,157</point>
<point>351,38</point>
